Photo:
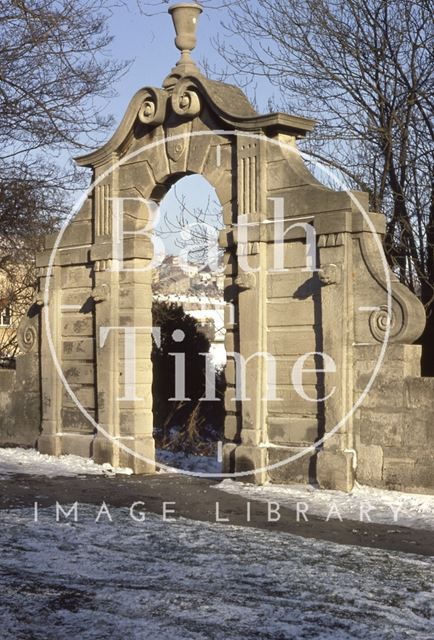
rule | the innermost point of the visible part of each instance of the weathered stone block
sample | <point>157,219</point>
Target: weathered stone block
<point>244,460</point>
<point>133,423</point>
<point>232,427</point>
<point>294,255</point>
<point>423,474</point>
<point>402,359</point>
<point>77,233</point>
<point>418,431</point>
<point>75,277</point>
<point>78,349</point>
<point>79,373</point>
<point>419,394</point>
<point>73,420</point>
<point>289,402</point>
<point>138,455</point>
<point>232,341</point>
<point>293,283</point>
<point>296,312</point>
<point>27,372</point>
<point>7,379</point>
<point>84,394</point>
<point>134,173</point>
<point>85,212</point>
<point>77,325</point>
<point>77,445</point>
<point>292,342</point>
<point>382,427</point>
<point>290,430</point>
<point>79,298</point>
<point>398,472</point>
<point>232,404</point>
<point>281,174</point>
<point>19,418</point>
<point>285,367</point>
<point>335,470</point>
<point>73,256</point>
<point>284,468</point>
<point>135,297</point>
<point>382,395</point>
<point>369,464</point>
<point>49,443</point>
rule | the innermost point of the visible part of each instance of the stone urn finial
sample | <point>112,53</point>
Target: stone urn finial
<point>185,17</point>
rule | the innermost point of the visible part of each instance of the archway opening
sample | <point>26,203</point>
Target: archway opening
<point>188,308</point>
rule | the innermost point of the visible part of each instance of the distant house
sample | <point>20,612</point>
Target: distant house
<point>7,328</point>
<point>200,293</point>
<point>171,281</point>
<point>174,276</point>
<point>5,314</point>
<point>16,296</point>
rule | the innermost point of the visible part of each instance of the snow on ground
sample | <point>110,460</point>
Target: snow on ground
<point>187,580</point>
<point>381,506</point>
<point>196,464</point>
<point>31,462</point>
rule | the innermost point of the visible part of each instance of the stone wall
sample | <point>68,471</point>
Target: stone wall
<point>71,323</point>
<point>394,428</point>
<point>293,420</point>
<point>278,221</point>
<point>20,405</point>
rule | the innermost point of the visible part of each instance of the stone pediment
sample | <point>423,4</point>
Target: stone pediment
<point>186,98</point>
<point>185,94</point>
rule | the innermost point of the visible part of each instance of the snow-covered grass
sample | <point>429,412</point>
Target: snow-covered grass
<point>381,506</point>
<point>31,462</point>
<point>188,462</point>
<point>187,580</point>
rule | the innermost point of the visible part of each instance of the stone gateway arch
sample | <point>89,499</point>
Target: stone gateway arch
<point>309,307</point>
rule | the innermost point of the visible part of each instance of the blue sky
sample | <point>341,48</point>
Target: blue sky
<point>148,42</point>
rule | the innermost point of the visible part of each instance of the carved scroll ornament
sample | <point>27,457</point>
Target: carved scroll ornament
<point>185,99</point>
<point>153,108</point>
<point>27,334</point>
<point>407,318</point>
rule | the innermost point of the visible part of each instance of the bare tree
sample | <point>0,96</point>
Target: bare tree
<point>30,206</point>
<point>53,65</point>
<point>195,230</point>
<point>364,70</point>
